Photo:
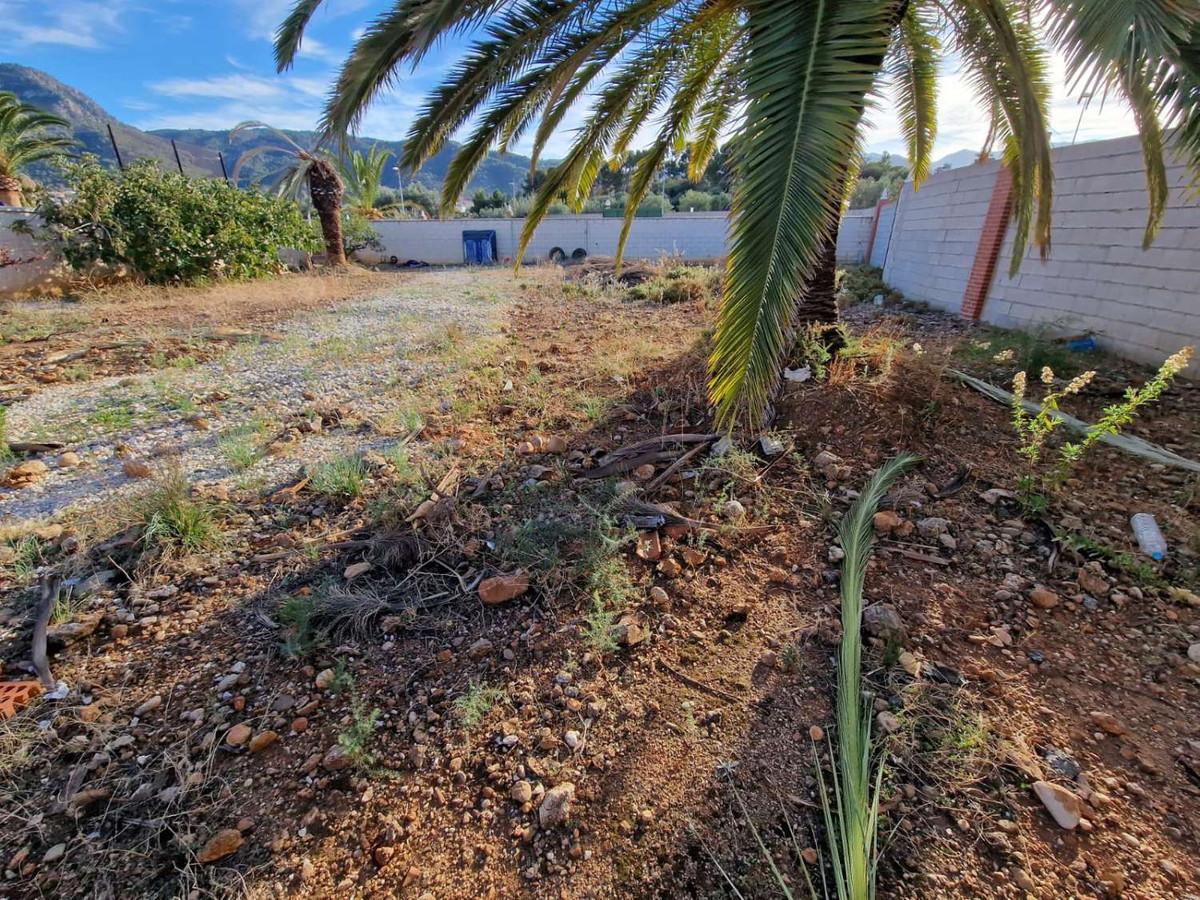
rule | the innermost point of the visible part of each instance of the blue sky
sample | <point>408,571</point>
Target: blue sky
<point>176,64</point>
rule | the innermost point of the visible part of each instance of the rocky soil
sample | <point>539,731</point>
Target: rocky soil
<point>476,680</point>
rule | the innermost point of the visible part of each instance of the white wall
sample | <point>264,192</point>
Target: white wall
<point>854,235</point>
<point>883,235</point>
<point>695,236</point>
<point>1144,304</point>
<point>28,275</point>
<point>936,232</point>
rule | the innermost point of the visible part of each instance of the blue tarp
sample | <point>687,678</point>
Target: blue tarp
<point>479,248</point>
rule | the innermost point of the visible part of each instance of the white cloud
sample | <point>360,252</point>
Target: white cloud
<point>232,87</point>
<point>82,24</point>
<point>962,125</point>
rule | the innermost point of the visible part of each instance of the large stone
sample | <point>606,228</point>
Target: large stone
<point>887,521</point>
<point>1064,806</point>
<point>1043,597</point>
<point>881,620</point>
<point>556,805</point>
<point>933,526</point>
<point>222,844</point>
<point>502,588</point>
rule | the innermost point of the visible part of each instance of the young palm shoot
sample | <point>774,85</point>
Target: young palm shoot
<point>851,828</point>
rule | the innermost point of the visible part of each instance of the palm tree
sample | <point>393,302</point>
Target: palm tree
<point>791,79</point>
<point>312,168</point>
<point>24,140</point>
<point>362,173</point>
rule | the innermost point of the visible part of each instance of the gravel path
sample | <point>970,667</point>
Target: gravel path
<point>358,354</point>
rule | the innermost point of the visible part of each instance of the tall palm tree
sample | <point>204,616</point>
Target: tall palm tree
<point>308,167</point>
<point>791,79</point>
<point>362,173</point>
<point>24,140</point>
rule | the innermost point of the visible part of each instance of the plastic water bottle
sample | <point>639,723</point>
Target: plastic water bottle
<point>1149,538</point>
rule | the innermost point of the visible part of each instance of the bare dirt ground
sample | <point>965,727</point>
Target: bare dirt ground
<point>322,703</point>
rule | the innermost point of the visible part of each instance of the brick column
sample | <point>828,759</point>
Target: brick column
<point>990,240</point>
<point>879,205</point>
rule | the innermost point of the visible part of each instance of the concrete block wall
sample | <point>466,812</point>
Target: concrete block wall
<point>854,235</point>
<point>1142,304</point>
<point>883,235</point>
<point>936,233</point>
<point>28,276</point>
<point>692,236</point>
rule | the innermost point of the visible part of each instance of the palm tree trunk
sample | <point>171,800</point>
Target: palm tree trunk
<point>326,189</point>
<point>818,301</point>
<point>10,191</point>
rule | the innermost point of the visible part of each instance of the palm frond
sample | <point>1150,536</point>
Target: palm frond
<point>290,33</point>
<point>1009,69</point>
<point>715,115</point>
<point>810,67</point>
<point>912,69</point>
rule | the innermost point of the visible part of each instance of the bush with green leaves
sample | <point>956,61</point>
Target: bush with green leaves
<point>170,228</point>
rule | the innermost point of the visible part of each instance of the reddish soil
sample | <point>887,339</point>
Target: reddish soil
<point>700,725</point>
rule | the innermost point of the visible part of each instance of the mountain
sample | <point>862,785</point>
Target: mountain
<point>955,160</point>
<point>89,122</point>
<point>497,172</point>
<point>198,148</point>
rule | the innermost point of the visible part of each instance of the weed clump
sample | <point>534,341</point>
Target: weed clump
<point>343,478</point>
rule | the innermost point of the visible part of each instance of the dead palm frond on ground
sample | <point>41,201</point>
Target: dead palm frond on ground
<point>790,81</point>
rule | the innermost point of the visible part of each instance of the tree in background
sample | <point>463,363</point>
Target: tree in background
<point>309,168</point>
<point>362,175</point>
<point>25,139</point>
<point>791,79</point>
<point>876,178</point>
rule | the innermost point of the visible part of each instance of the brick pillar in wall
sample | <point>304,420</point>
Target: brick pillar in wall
<point>988,251</point>
<point>879,205</point>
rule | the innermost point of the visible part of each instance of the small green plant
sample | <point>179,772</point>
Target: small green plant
<point>343,679</point>
<point>343,478</point>
<point>356,740</point>
<point>600,618</point>
<point>296,614</point>
<point>176,524</point>
<point>26,556</point>
<point>6,454</point>
<point>240,452</point>
<point>851,808</point>
<point>473,706</point>
<point>1043,478</point>
<point>811,348</point>
<point>113,414</point>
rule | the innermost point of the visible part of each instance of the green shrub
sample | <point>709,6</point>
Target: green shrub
<point>169,228</point>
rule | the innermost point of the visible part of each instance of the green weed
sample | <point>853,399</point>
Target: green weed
<point>296,614</point>
<point>356,740</point>
<point>473,706</point>
<point>343,478</point>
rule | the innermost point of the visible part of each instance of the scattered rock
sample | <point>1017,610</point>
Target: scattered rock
<point>888,722</point>
<point>325,679</point>
<point>25,474</point>
<point>816,733</point>
<point>670,568</point>
<point>540,443</point>
<point>1108,723</point>
<point>1092,580</point>
<point>521,792</point>
<point>556,805</point>
<point>68,460</point>
<point>1064,806</point>
<point>1043,597</point>
<point>224,843</point>
<point>480,649</point>
<point>336,759</point>
<point>933,526</point>
<point>629,631</point>
<point>355,569</point>
<point>135,469</point>
<point>887,521</point>
<point>733,510</point>
<point>238,734</point>
<point>502,588</point>
<point>148,706</point>
<point>54,854</point>
<point>881,620</point>
<point>649,546</point>
<point>262,741</point>
<point>1194,653</point>
<point>644,472</point>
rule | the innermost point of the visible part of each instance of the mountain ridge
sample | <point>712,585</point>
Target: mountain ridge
<point>198,148</point>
